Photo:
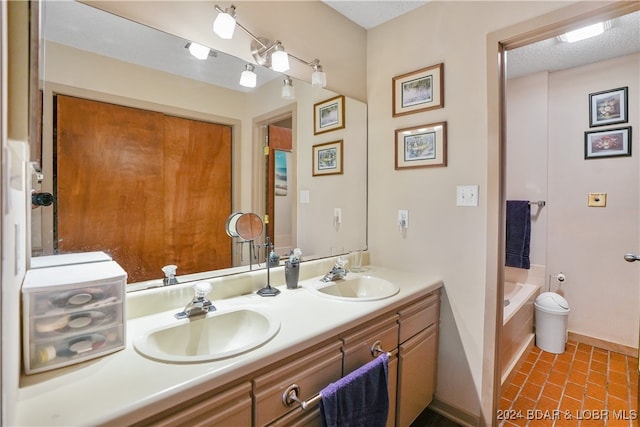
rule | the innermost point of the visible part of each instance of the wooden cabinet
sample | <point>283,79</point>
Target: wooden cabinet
<point>231,407</point>
<point>311,372</point>
<point>417,355</point>
<point>358,347</point>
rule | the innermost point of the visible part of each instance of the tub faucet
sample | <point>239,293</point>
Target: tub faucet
<point>338,272</point>
<point>199,306</point>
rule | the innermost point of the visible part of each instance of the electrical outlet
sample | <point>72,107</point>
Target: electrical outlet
<point>337,215</point>
<point>403,218</point>
<point>598,200</point>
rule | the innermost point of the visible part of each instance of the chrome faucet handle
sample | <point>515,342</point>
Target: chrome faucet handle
<point>200,305</point>
<point>170,275</point>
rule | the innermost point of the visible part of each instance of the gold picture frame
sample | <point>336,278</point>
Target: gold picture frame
<point>421,146</point>
<point>328,115</point>
<point>419,90</point>
<point>327,158</point>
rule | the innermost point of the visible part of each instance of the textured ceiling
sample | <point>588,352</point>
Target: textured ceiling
<point>369,14</point>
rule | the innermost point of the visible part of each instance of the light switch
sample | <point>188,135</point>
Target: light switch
<point>403,218</point>
<point>467,195</point>
<point>598,200</point>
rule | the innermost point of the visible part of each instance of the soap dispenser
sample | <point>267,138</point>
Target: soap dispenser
<point>292,269</point>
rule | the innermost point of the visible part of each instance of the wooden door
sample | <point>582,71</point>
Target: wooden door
<point>146,188</point>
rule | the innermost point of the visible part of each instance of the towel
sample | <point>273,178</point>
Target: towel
<point>359,399</point>
<point>518,233</point>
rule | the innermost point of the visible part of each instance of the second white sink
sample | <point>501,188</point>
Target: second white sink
<point>217,336</point>
<point>357,288</point>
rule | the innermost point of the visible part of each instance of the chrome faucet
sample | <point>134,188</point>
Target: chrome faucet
<point>338,272</point>
<point>170,275</point>
<point>200,305</point>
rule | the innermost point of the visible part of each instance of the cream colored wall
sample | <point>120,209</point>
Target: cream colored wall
<point>526,151</point>
<point>301,26</point>
<point>588,243</point>
<point>442,237</point>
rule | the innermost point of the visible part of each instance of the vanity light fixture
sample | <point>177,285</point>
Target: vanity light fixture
<point>225,23</point>
<point>199,51</point>
<point>268,53</point>
<point>288,91</point>
<point>248,78</point>
<point>585,32</point>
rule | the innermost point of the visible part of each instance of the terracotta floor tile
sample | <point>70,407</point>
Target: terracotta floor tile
<point>582,387</point>
<point>598,366</point>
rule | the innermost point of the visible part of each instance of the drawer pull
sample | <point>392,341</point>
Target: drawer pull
<point>376,349</point>
<point>290,396</point>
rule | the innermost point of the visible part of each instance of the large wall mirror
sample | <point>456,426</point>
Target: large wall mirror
<point>148,150</point>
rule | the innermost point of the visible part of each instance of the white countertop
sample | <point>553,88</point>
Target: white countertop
<point>111,388</point>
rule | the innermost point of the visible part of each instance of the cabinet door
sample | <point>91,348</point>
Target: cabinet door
<point>416,375</point>
<point>229,408</point>
<point>311,372</point>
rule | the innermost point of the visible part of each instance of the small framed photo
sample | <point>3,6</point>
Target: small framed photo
<point>608,107</point>
<point>419,90</point>
<point>607,143</point>
<point>328,115</point>
<point>421,146</point>
<point>327,158</point>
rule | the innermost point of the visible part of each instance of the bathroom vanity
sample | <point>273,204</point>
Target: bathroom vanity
<point>320,339</point>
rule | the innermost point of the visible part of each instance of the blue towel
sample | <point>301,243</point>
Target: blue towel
<point>358,399</point>
<point>518,234</point>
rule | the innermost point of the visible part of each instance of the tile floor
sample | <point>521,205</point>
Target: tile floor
<point>584,387</point>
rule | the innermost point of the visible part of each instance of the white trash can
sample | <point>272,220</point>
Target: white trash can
<point>552,313</point>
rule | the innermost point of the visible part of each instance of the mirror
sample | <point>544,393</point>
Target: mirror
<point>156,73</point>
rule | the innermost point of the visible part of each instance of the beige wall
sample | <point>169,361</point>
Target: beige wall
<point>442,239</point>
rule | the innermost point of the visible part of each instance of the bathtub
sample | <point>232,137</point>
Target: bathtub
<point>517,330</point>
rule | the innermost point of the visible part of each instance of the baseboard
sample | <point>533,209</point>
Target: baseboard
<point>603,344</point>
<point>458,415</point>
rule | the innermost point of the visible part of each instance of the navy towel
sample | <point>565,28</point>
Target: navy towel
<point>358,399</point>
<point>518,233</point>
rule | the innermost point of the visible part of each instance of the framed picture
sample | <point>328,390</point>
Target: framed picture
<point>328,115</point>
<point>327,158</point>
<point>421,146</point>
<point>419,90</point>
<point>608,107</point>
<point>607,143</point>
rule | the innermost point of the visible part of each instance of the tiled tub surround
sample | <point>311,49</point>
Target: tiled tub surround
<point>125,387</point>
<point>518,318</point>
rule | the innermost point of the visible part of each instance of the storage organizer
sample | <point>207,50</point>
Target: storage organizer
<point>72,313</point>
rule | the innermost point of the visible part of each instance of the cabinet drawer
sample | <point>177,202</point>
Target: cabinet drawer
<point>357,345</point>
<point>311,372</point>
<point>231,407</point>
<point>419,316</point>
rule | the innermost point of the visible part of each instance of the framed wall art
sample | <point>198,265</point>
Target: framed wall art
<point>607,143</point>
<point>419,90</point>
<point>327,158</point>
<point>608,107</point>
<point>328,115</point>
<point>421,146</point>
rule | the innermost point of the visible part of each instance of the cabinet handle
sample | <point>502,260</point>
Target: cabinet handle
<point>290,396</point>
<point>376,349</point>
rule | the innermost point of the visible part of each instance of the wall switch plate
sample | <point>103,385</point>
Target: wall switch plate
<point>337,215</point>
<point>403,218</point>
<point>467,195</point>
<point>598,200</point>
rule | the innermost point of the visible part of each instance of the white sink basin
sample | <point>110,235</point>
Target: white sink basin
<point>357,288</point>
<point>219,335</point>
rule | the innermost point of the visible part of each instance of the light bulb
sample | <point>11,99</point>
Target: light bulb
<point>248,78</point>
<point>288,91</point>
<point>318,77</point>
<point>279,59</point>
<point>199,51</point>
<point>225,23</point>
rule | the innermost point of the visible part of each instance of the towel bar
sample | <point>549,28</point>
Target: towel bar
<point>290,395</point>
<point>540,203</point>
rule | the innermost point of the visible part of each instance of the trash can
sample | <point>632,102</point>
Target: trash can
<point>552,313</point>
